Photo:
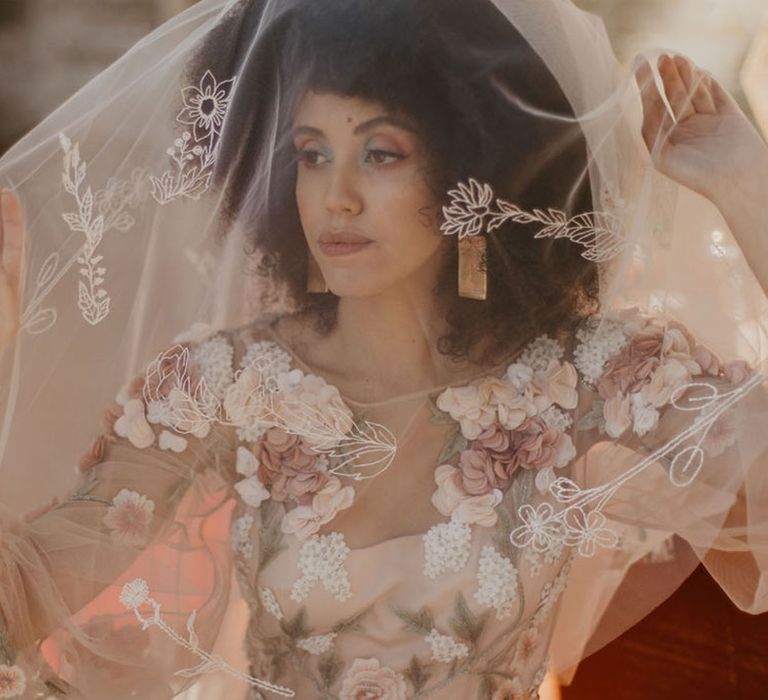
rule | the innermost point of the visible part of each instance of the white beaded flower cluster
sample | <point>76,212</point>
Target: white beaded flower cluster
<point>597,344</point>
<point>445,648</point>
<point>497,581</point>
<point>446,547</point>
<point>322,559</point>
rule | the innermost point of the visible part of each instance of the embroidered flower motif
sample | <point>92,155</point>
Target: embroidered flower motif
<point>450,490</point>
<point>527,645</point>
<point>510,689</point>
<point>598,340</point>
<point>535,445</point>
<point>539,528</point>
<point>304,521</point>
<point>134,593</point>
<point>318,644</point>
<point>468,209</point>
<point>205,106</point>
<point>251,489</point>
<point>241,535</point>
<point>541,352</point>
<point>248,404</point>
<point>129,518</point>
<point>321,558</point>
<point>13,681</point>
<point>314,409</point>
<point>555,418</point>
<point>268,358</point>
<point>170,441</point>
<point>445,648</point>
<point>588,531</point>
<point>269,601</point>
<point>497,582</point>
<point>291,468</point>
<point>470,407</point>
<point>446,547</point>
<point>213,357</point>
<point>367,678</point>
<point>134,426</point>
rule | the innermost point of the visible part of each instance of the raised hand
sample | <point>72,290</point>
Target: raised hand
<point>12,235</point>
<point>710,143</point>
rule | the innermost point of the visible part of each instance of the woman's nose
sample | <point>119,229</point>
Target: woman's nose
<point>343,195</point>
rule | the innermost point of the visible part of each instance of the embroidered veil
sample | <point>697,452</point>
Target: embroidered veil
<point>362,348</point>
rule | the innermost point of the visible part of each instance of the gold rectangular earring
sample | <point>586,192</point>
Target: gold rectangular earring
<point>315,280</point>
<point>473,268</point>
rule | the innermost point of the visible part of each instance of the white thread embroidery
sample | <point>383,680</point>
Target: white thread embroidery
<point>136,593</point>
<point>445,648</point>
<point>321,558</point>
<point>269,601</point>
<point>497,582</point>
<point>446,547</point>
<point>318,644</point>
<point>582,526</point>
<point>241,535</point>
<point>471,213</point>
<point>194,153</point>
<point>214,357</point>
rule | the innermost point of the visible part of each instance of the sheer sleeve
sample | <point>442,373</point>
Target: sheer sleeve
<point>671,470</point>
<point>96,588</point>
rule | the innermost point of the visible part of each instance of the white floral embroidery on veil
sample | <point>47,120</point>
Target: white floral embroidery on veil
<point>266,394</point>
<point>194,152</point>
<point>136,593</point>
<point>471,213</point>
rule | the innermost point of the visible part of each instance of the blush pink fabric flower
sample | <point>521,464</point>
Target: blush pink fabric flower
<point>479,510</point>
<point>367,679</point>
<point>489,463</point>
<point>133,425</point>
<point>738,371</point>
<point>666,380</point>
<point>556,384</point>
<point>632,367</point>
<point>539,446</point>
<point>449,491</point>
<point>129,518</point>
<point>616,412</point>
<point>13,681</point>
<point>306,520</point>
<point>470,406</point>
<point>292,468</point>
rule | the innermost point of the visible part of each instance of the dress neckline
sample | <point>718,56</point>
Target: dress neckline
<point>489,372</point>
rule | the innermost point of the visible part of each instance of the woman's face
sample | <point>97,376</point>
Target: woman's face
<point>362,177</point>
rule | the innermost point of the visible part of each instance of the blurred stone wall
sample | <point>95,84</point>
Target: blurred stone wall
<point>49,48</point>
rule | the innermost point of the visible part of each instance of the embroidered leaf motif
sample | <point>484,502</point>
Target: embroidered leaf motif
<point>486,688</point>
<point>420,622</point>
<point>416,673</point>
<point>329,666</point>
<point>351,623</point>
<point>464,622</point>
<point>271,537</point>
<point>297,626</point>
<point>504,526</point>
<point>594,418</point>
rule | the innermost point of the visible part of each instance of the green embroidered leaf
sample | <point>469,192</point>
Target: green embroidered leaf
<point>501,539</point>
<point>297,626</point>
<point>454,444</point>
<point>351,623</point>
<point>417,674</point>
<point>420,622</point>
<point>486,688</point>
<point>438,417</point>
<point>329,666</point>
<point>271,537</point>
<point>464,622</point>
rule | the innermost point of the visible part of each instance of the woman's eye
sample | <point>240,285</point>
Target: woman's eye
<point>380,157</point>
<point>310,158</point>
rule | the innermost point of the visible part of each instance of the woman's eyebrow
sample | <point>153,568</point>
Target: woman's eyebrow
<point>360,128</point>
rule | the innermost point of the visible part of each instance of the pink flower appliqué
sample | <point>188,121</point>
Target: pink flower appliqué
<point>129,518</point>
<point>290,467</point>
<point>451,499</point>
<point>13,681</point>
<point>134,426</point>
<point>304,521</point>
<point>367,679</point>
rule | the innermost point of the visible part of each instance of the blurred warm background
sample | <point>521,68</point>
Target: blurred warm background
<point>696,645</point>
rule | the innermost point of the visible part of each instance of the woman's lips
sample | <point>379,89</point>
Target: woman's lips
<point>334,249</point>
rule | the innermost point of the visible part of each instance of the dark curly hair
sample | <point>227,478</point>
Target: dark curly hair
<point>452,67</point>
